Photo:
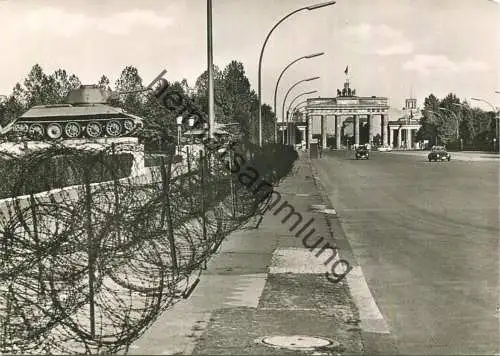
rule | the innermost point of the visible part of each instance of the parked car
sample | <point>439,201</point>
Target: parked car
<point>438,153</point>
<point>362,152</point>
<point>384,148</point>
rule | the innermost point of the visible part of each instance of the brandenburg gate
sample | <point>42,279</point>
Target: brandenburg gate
<point>345,116</point>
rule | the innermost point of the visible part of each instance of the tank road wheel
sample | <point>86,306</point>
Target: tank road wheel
<point>72,129</point>
<point>113,128</point>
<point>54,131</point>
<point>36,131</point>
<point>128,125</point>
<point>22,127</point>
<point>94,129</point>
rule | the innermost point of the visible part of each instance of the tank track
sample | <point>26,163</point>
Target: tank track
<point>93,128</point>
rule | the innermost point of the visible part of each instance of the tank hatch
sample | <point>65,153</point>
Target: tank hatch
<point>88,94</point>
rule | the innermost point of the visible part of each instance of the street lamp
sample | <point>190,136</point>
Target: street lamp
<point>191,121</point>
<point>276,88</point>
<point>309,8</point>
<point>298,96</point>
<point>284,100</point>
<point>296,107</point>
<point>179,124</point>
<point>289,107</point>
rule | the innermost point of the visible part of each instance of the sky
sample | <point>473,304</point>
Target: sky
<point>393,48</point>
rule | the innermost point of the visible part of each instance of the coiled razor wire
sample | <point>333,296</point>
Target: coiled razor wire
<point>91,255</point>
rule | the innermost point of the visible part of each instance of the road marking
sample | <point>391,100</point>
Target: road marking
<point>371,317</point>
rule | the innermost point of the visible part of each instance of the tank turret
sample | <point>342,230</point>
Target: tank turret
<point>89,94</point>
<point>86,112</point>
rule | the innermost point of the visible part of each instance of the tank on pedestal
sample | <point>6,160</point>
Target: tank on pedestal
<point>86,113</point>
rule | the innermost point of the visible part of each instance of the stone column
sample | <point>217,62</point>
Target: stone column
<point>323,131</point>
<point>409,140</point>
<point>391,137</point>
<point>383,130</point>
<point>400,133</point>
<point>370,129</point>
<point>356,129</point>
<point>338,132</point>
<point>309,130</point>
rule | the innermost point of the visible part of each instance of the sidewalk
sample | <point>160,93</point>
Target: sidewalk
<point>262,283</point>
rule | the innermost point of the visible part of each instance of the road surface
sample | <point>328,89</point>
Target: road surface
<point>426,236</point>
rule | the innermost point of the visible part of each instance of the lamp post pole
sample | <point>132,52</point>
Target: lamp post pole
<point>286,96</point>
<point>289,112</point>
<point>259,90</point>
<point>211,111</point>
<point>276,88</point>
<point>179,124</point>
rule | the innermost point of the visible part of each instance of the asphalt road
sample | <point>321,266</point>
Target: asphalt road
<point>427,238</point>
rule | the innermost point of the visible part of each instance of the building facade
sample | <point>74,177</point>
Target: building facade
<point>402,131</point>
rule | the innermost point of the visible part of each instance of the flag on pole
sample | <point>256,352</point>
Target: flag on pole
<point>346,70</point>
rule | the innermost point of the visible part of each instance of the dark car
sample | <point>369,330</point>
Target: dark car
<point>362,152</point>
<point>438,153</point>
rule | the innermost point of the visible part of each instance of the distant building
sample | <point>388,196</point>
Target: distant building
<point>403,130</point>
<point>347,119</point>
<point>350,120</point>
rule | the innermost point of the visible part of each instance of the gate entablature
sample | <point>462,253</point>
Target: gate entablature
<point>348,106</point>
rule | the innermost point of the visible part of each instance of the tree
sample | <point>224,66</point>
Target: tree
<point>201,96</point>
<point>429,120</point>
<point>59,84</point>
<point>130,80</point>
<point>268,120</point>
<point>104,82</point>
<point>39,87</point>
<point>12,108</point>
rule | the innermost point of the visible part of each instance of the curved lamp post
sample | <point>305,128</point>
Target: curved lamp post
<point>296,107</point>
<point>286,96</point>
<point>276,88</point>
<point>289,107</point>
<point>309,8</point>
<point>298,96</point>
